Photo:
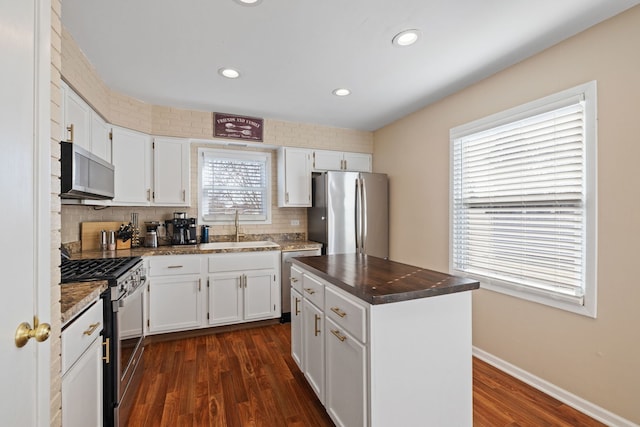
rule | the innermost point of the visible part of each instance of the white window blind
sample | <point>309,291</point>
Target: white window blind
<point>234,180</point>
<point>519,202</point>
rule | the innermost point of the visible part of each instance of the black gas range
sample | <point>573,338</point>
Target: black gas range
<point>123,329</point>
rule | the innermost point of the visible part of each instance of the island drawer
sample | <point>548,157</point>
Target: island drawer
<point>173,265</point>
<point>313,290</point>
<point>296,278</point>
<point>78,335</point>
<point>346,313</point>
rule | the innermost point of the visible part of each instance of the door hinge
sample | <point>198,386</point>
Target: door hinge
<point>111,135</point>
<point>153,145</point>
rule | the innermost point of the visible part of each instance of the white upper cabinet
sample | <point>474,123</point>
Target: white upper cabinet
<point>100,137</point>
<point>131,152</point>
<point>171,170</point>
<point>294,177</point>
<point>83,126</point>
<point>323,160</point>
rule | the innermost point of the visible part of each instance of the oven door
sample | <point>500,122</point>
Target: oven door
<point>130,335</point>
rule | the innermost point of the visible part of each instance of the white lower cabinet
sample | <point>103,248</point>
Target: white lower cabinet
<point>296,327</point>
<point>313,347</point>
<point>243,287</point>
<point>174,304</point>
<point>346,377</point>
<point>82,369</point>
<point>174,293</point>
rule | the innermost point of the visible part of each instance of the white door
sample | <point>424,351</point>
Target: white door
<point>25,177</point>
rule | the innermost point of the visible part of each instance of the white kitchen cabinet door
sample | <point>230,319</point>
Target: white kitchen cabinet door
<point>294,177</point>
<point>261,295</point>
<point>313,347</point>
<point>82,389</point>
<point>357,162</point>
<point>171,172</point>
<point>100,139</point>
<point>131,158</point>
<point>225,298</point>
<point>297,316</point>
<point>174,303</point>
<point>346,378</point>
<point>324,160</point>
<point>77,119</point>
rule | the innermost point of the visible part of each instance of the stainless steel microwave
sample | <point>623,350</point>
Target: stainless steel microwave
<point>84,175</point>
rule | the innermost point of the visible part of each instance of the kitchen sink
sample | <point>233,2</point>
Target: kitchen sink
<point>238,245</point>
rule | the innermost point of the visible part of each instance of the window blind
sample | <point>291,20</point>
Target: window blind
<point>519,203</point>
<point>231,183</point>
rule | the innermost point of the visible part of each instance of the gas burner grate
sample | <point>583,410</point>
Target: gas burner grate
<point>81,270</point>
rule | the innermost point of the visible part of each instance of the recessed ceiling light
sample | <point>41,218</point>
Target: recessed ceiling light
<point>341,92</point>
<point>406,38</point>
<point>229,73</point>
<point>248,2</point>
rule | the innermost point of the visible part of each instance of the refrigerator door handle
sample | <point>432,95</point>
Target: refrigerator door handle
<point>359,213</point>
<point>363,216</point>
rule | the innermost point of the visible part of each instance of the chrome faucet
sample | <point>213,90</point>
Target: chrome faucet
<point>237,224</point>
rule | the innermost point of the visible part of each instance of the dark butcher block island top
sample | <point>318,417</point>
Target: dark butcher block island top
<point>379,281</point>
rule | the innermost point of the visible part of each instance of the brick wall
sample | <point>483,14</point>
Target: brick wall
<point>158,120</point>
<point>54,340</point>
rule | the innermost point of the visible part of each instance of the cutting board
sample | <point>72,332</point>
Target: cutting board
<point>90,234</point>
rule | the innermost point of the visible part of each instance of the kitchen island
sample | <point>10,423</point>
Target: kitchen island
<point>397,347</point>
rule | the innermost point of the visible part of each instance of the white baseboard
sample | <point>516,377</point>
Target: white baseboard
<point>576,402</point>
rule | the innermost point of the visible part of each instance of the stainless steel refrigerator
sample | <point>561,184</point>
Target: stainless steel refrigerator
<point>350,213</point>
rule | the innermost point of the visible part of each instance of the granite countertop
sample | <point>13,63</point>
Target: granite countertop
<point>379,281</point>
<point>74,297</point>
<point>283,245</point>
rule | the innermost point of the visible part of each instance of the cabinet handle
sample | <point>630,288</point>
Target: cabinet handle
<point>199,285</point>
<point>317,330</point>
<point>342,338</point>
<point>294,280</point>
<point>297,307</point>
<point>175,266</point>
<point>70,130</point>
<point>286,197</point>
<point>107,357</point>
<point>310,291</point>
<point>184,195</point>
<point>339,312</point>
<point>92,329</point>
<point>148,194</point>
<point>244,277</point>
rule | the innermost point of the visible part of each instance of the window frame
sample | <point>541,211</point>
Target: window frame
<point>265,156</point>
<point>588,92</point>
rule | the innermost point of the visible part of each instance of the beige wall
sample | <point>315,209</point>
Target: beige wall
<point>596,359</point>
<point>127,112</point>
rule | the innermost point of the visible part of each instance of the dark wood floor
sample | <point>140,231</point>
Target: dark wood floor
<point>248,378</point>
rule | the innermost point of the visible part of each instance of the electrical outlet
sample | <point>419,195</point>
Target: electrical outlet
<point>295,222</point>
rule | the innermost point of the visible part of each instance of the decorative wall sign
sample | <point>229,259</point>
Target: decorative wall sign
<point>237,127</point>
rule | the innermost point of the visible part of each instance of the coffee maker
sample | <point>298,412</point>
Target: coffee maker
<point>182,229</point>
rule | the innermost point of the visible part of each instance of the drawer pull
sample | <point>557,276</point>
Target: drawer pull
<point>339,312</point>
<point>175,266</point>
<point>294,280</point>
<point>106,358</point>
<point>297,307</point>
<point>342,338</point>
<point>317,329</point>
<point>92,329</point>
<point>310,291</point>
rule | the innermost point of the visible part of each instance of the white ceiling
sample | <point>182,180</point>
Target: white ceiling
<point>293,53</point>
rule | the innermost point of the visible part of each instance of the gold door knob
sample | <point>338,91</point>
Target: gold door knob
<point>40,332</point>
